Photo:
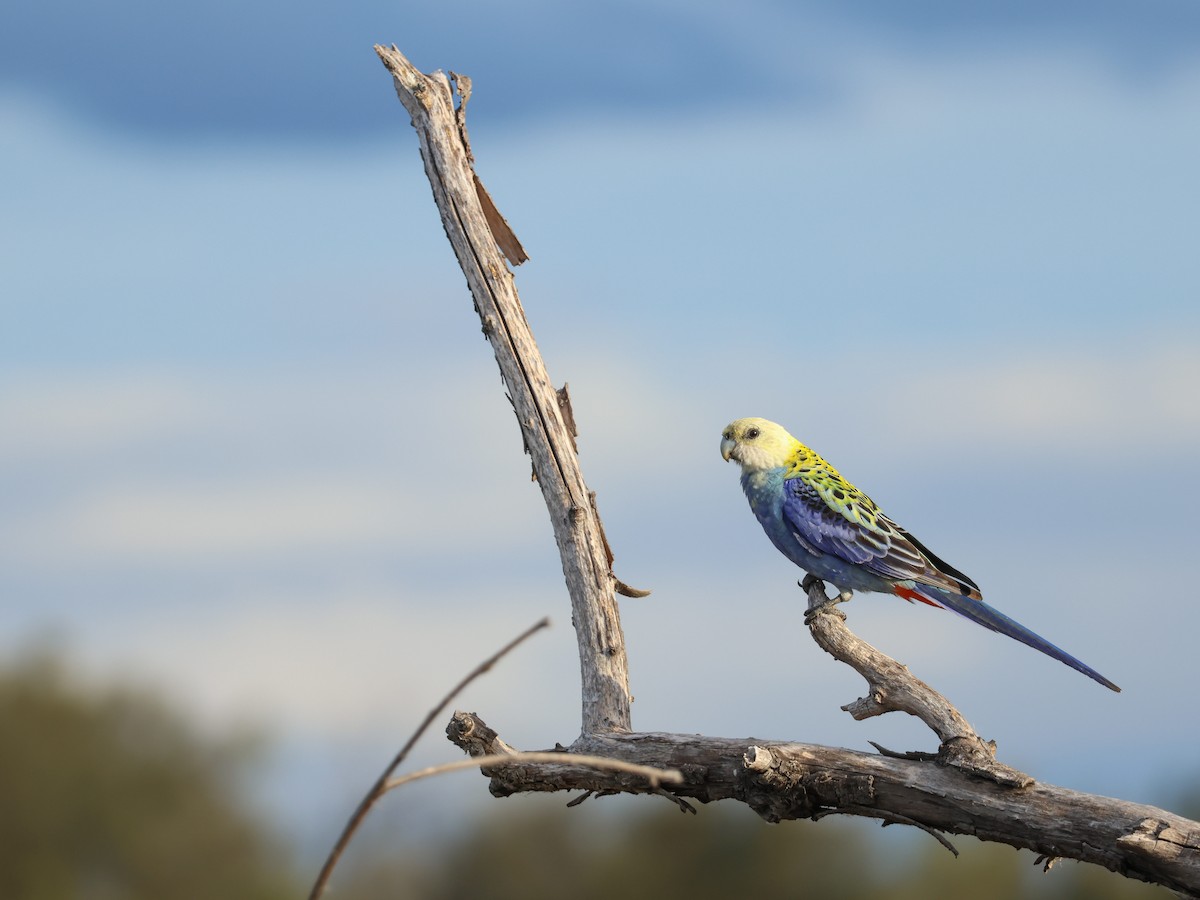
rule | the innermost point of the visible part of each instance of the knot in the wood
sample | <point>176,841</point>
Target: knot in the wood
<point>693,773</point>
<point>779,786</point>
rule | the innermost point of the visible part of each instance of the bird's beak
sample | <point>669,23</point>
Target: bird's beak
<point>727,445</point>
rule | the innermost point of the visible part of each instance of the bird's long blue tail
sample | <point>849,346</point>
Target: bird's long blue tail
<point>982,614</point>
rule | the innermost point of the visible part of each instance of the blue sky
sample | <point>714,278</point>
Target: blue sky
<point>255,450</point>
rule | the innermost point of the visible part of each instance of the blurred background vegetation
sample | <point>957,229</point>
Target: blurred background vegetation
<point>108,793</point>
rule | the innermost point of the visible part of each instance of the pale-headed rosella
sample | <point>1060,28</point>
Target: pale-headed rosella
<point>831,529</point>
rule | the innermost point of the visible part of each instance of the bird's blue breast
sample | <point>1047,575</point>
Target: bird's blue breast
<point>764,489</point>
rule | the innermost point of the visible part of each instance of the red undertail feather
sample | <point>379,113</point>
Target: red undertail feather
<point>910,595</point>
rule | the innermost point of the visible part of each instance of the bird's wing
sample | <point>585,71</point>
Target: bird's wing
<point>827,514</point>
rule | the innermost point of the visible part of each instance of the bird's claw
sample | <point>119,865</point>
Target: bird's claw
<point>821,606</point>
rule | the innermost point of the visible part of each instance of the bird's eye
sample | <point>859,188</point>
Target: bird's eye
<point>752,433</point>
<point>728,435</point>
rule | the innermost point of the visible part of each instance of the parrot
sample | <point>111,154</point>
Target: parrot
<point>835,532</point>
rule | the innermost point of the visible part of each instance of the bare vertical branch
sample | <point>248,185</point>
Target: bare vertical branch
<point>590,582</point>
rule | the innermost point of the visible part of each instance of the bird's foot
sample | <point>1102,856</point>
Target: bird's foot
<point>816,607</point>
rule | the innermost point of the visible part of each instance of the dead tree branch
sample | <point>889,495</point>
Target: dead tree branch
<point>960,789</point>
<point>581,545</point>
<point>786,780</point>
<point>653,777</point>
<point>892,688</point>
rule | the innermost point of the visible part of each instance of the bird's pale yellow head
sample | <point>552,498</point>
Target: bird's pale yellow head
<point>757,444</point>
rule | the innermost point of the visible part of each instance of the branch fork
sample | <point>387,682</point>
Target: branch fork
<point>893,688</point>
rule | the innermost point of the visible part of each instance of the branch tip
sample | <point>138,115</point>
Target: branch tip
<point>380,787</point>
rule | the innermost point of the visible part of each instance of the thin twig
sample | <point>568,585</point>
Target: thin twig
<point>922,755</point>
<point>684,806</point>
<point>654,776</point>
<point>379,788</point>
<point>889,818</point>
<point>1046,861</point>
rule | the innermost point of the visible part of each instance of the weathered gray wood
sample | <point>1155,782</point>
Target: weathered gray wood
<point>786,780</point>
<point>891,687</point>
<point>590,582</point>
<point>961,789</point>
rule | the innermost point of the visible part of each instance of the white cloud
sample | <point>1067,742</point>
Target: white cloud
<point>170,468</point>
<point>226,521</point>
<point>344,660</point>
<point>233,520</point>
<point>994,402</point>
<point>302,482</point>
<point>53,414</point>
<point>1145,395</point>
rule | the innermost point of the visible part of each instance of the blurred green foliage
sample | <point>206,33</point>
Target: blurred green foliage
<point>724,852</point>
<point>106,794</point>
